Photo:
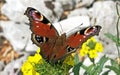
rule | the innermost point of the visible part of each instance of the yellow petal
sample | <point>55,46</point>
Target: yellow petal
<point>99,47</point>
<point>93,54</point>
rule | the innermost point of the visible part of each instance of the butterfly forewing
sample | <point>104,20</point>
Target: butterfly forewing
<point>40,25</point>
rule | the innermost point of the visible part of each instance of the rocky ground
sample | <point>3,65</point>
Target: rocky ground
<point>15,43</point>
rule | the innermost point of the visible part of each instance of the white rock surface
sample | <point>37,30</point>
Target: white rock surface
<point>15,12</point>
<point>18,35</point>
<point>67,4</point>
<point>104,13</point>
<point>4,73</point>
<point>83,3</point>
<point>15,64</point>
<point>2,65</point>
<point>79,12</point>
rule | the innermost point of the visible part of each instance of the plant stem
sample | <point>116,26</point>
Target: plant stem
<point>117,30</point>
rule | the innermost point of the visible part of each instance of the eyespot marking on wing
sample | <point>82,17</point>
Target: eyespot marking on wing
<point>40,39</point>
<point>41,17</point>
<point>70,49</point>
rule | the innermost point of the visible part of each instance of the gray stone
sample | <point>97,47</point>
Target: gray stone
<point>79,12</point>
<point>15,12</point>
<point>2,65</point>
<point>83,3</point>
<point>67,4</point>
<point>104,13</point>
<point>18,35</point>
<point>4,73</point>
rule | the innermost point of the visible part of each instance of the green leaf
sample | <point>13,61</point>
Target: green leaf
<point>113,38</point>
<point>106,73</point>
<point>76,68</point>
<point>76,59</point>
<point>99,66</point>
<point>115,64</point>
<point>89,70</point>
<point>117,71</point>
<point>95,69</point>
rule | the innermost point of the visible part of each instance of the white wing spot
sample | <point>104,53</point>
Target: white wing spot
<point>78,32</point>
<point>49,24</point>
<point>80,40</point>
<point>36,22</point>
<point>37,26</point>
<point>36,11</point>
<point>84,36</point>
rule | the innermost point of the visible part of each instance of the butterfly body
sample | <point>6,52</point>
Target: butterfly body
<point>53,46</point>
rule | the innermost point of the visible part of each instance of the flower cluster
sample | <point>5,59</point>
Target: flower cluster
<point>28,68</point>
<point>35,65</point>
<point>91,47</point>
<point>69,60</point>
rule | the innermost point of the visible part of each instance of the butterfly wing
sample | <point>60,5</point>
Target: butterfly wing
<point>40,25</point>
<point>44,34</point>
<point>73,42</point>
<point>77,39</point>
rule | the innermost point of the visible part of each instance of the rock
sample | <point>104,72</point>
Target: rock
<point>58,11</point>
<point>18,35</point>
<point>4,73</point>
<point>13,68</point>
<point>67,4</point>
<point>2,65</point>
<point>79,12</point>
<point>16,12</point>
<point>104,13</point>
<point>84,3</point>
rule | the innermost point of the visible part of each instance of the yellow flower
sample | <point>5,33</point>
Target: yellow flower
<point>84,46</point>
<point>38,51</point>
<point>93,39</point>
<point>99,47</point>
<point>69,60</point>
<point>35,59</point>
<point>93,54</point>
<point>91,47</point>
<point>73,54</point>
<point>28,69</point>
<point>83,52</point>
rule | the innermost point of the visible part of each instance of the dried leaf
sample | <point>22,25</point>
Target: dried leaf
<point>7,53</point>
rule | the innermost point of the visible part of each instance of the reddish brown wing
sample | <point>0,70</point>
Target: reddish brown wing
<point>44,34</point>
<point>77,39</point>
<point>73,42</point>
<point>40,25</point>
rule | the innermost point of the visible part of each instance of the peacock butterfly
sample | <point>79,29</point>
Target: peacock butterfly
<point>53,46</point>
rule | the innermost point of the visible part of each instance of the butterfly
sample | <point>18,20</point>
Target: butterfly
<point>53,46</point>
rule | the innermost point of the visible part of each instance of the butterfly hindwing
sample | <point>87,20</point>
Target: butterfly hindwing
<point>77,39</point>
